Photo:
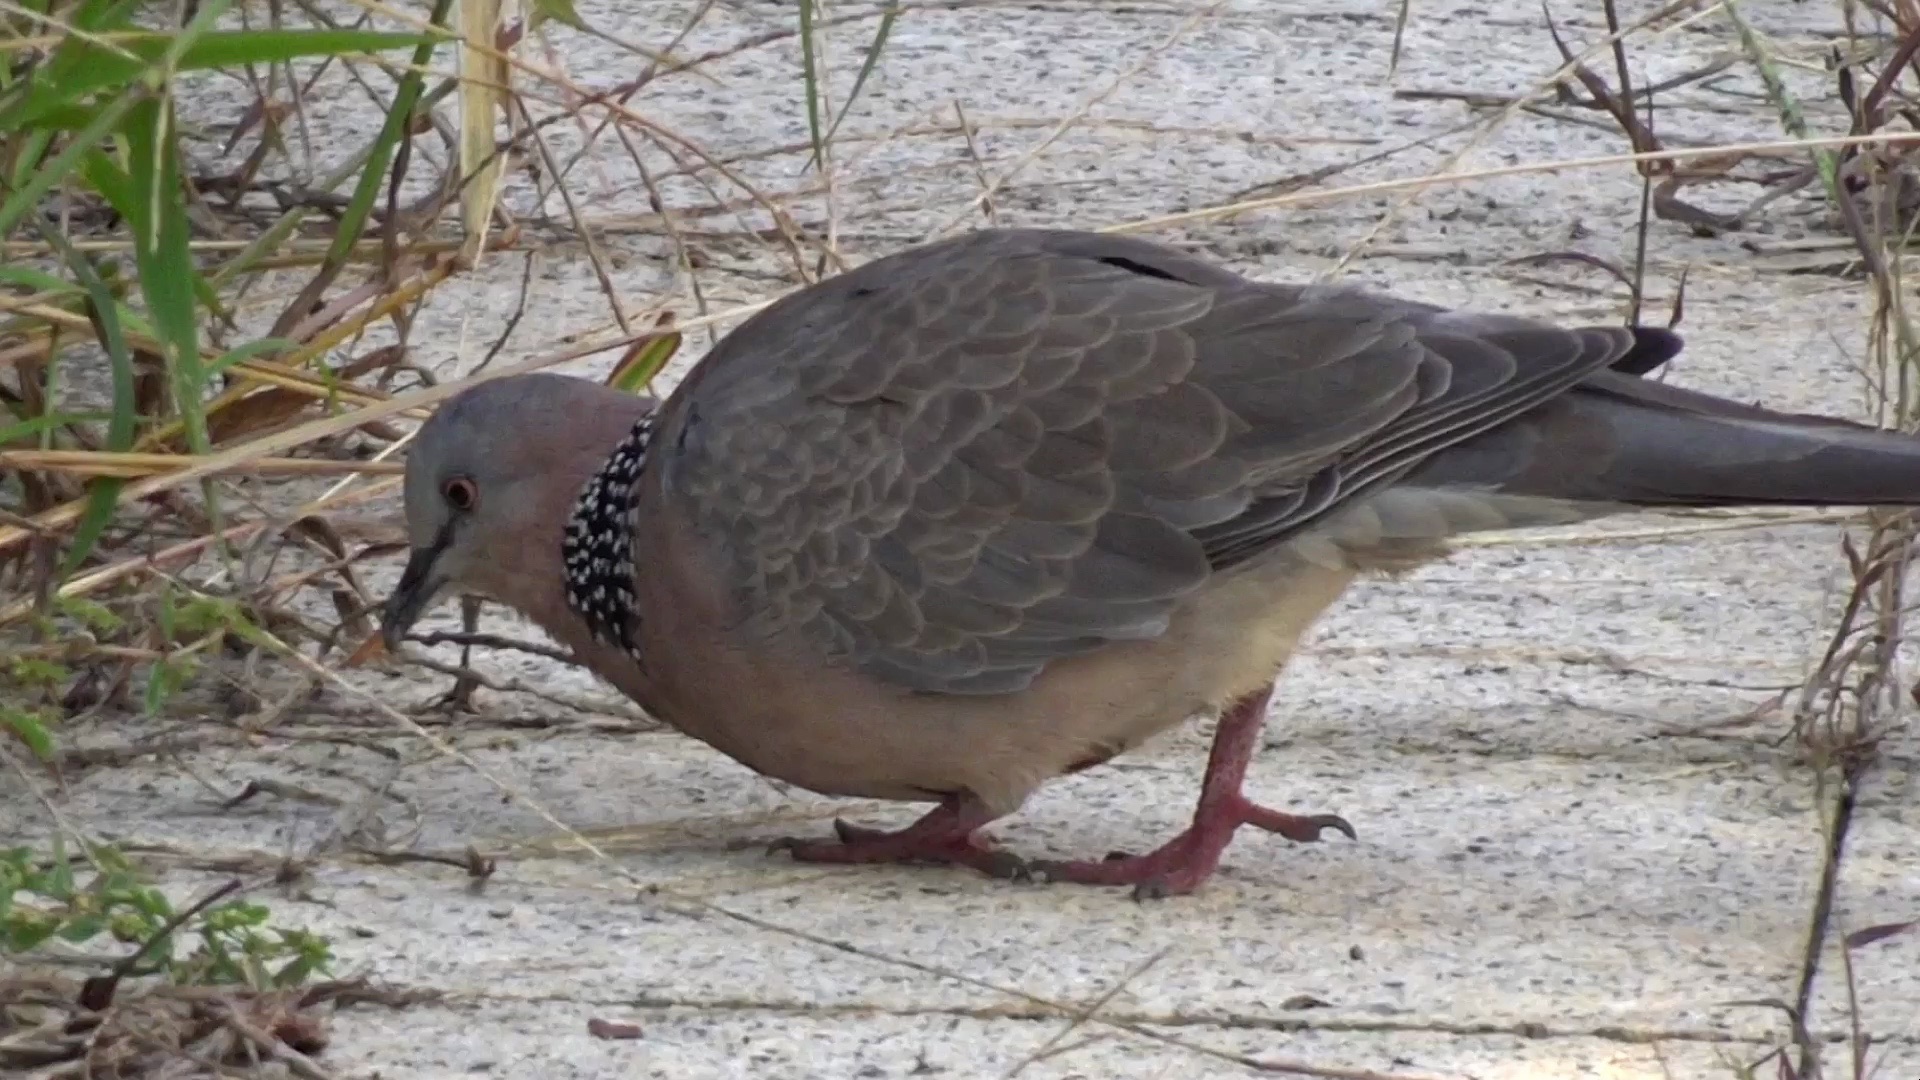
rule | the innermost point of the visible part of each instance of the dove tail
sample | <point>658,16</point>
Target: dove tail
<point>1682,448</point>
<point>1629,441</point>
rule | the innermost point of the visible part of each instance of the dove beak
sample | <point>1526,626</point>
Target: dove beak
<point>420,585</point>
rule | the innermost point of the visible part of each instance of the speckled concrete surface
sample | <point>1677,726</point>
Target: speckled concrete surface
<point>1576,859</point>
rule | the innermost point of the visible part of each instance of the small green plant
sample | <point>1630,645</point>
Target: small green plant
<point>27,678</point>
<point>42,899</point>
<point>175,630</point>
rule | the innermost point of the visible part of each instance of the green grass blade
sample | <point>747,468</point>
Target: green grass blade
<point>209,298</point>
<point>353,222</point>
<point>111,181</point>
<point>560,11</point>
<point>867,65</point>
<point>29,278</point>
<point>85,68</point>
<point>644,362</point>
<point>256,347</point>
<point>810,78</point>
<point>89,25</point>
<point>41,180</point>
<point>32,148</point>
<point>276,234</point>
<point>236,48</point>
<point>198,28</point>
<point>29,729</point>
<point>97,16</point>
<point>34,427</point>
<point>1792,117</point>
<point>160,239</point>
<point>103,494</point>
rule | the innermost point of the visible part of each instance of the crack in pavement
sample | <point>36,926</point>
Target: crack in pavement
<point>1135,1021</point>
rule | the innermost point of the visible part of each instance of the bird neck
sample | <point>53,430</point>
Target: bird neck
<point>597,545</point>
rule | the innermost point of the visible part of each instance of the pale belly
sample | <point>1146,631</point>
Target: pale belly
<point>838,733</point>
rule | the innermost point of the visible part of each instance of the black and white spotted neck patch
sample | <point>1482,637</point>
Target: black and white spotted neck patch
<point>598,548</point>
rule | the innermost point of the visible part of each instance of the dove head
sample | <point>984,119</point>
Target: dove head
<point>492,480</point>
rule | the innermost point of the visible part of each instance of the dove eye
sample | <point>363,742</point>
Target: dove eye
<point>460,493</point>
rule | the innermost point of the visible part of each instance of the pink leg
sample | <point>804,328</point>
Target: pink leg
<point>1183,863</point>
<point>949,833</point>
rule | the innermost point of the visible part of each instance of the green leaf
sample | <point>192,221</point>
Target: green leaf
<point>560,11</point>
<point>160,683</point>
<point>82,928</point>
<point>92,22</point>
<point>373,178</point>
<point>54,121</point>
<point>235,48</point>
<point>96,617</point>
<point>28,278</point>
<point>111,860</point>
<point>32,428</point>
<point>294,972</point>
<point>810,79</point>
<point>203,291</point>
<point>1792,119</point>
<point>24,933</point>
<point>115,61</point>
<point>251,349</point>
<point>30,150</point>
<point>103,494</point>
<point>59,883</point>
<point>112,182</point>
<point>153,902</point>
<point>166,615</point>
<point>236,915</point>
<point>644,362</point>
<point>35,671</point>
<point>160,248</point>
<point>98,16</point>
<point>246,630</point>
<point>31,729</point>
<point>867,65</point>
<point>27,194</point>
<point>130,926</point>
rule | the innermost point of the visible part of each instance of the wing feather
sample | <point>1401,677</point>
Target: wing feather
<point>952,466</point>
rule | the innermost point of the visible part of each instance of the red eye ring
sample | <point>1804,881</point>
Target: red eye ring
<point>460,493</point>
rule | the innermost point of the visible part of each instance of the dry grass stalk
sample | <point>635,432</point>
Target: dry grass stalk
<point>484,90</point>
<point>148,1030</point>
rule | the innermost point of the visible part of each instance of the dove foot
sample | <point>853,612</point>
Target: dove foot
<point>1184,863</point>
<point>949,833</point>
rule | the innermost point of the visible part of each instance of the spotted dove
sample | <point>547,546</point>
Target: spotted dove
<point>999,508</point>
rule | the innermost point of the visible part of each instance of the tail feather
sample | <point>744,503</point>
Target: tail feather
<point>1651,348</point>
<point>1628,441</point>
